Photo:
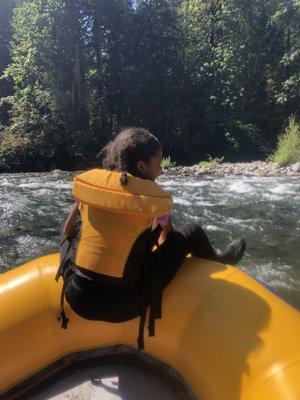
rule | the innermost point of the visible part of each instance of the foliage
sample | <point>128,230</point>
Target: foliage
<point>288,146</point>
<point>233,51</point>
<point>211,163</point>
<point>168,163</point>
<point>205,76</point>
<point>6,11</point>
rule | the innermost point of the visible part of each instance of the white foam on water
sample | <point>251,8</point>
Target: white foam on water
<point>297,199</point>
<point>196,184</point>
<point>277,276</point>
<point>183,202</point>
<point>241,187</point>
<point>278,189</point>
<point>285,189</point>
<point>284,282</point>
<point>168,188</point>
<point>190,183</point>
<point>43,185</point>
<point>213,228</point>
<point>235,221</point>
<point>32,185</point>
<point>42,192</point>
<point>25,241</point>
<point>272,197</point>
<point>248,224</point>
<point>211,201</point>
<point>5,183</point>
<point>16,203</point>
<point>59,185</point>
<point>203,203</point>
<point>189,217</point>
<point>169,183</point>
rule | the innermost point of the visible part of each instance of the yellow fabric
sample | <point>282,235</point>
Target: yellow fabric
<point>113,216</point>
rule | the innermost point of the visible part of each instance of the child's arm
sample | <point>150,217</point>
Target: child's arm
<point>68,229</point>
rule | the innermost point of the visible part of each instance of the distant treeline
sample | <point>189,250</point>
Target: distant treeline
<point>206,76</point>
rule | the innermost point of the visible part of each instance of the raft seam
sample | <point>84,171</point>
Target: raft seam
<point>272,376</point>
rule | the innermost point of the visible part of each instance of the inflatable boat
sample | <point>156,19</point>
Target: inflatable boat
<point>223,336</point>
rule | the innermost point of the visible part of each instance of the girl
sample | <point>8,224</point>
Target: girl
<point>94,286</point>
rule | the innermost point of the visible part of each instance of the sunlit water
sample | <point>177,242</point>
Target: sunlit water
<point>263,210</point>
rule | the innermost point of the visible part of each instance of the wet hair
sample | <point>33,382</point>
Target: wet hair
<point>129,147</point>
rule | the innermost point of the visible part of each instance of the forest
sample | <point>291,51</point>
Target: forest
<point>217,78</point>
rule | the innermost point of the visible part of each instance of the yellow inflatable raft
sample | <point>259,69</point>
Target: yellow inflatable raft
<point>227,336</point>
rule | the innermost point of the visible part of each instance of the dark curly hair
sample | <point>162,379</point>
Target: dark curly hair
<point>129,147</point>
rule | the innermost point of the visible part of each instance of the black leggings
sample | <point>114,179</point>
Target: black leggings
<point>121,302</point>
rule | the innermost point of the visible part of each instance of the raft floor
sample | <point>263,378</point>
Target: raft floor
<point>107,383</point>
<point>124,374</point>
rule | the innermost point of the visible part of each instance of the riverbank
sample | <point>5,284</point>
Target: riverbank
<point>255,168</point>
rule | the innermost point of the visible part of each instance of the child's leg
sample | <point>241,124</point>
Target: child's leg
<point>200,246</point>
<point>169,256</point>
<point>191,238</point>
<point>197,242</point>
<point>166,260</point>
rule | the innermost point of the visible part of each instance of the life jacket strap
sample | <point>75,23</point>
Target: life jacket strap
<point>63,318</point>
<point>151,279</point>
<point>60,271</point>
<point>66,267</point>
<point>62,314</point>
<point>151,326</point>
<point>140,339</point>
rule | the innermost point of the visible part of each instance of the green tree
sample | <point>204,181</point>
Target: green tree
<point>233,53</point>
<point>6,11</point>
<point>156,71</point>
<point>286,82</point>
<point>214,64</point>
<point>27,131</point>
<point>48,103</point>
<point>206,76</point>
<point>108,47</point>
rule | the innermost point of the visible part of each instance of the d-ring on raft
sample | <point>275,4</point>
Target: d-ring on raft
<point>225,335</point>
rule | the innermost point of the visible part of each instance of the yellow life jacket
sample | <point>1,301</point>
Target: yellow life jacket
<point>113,217</point>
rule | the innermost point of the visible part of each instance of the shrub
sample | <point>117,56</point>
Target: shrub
<point>211,163</point>
<point>288,146</point>
<point>168,163</point>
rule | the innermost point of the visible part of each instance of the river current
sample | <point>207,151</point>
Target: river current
<point>265,211</point>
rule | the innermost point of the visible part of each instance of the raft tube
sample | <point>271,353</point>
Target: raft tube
<point>227,336</point>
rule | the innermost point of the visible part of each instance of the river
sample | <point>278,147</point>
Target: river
<point>265,211</point>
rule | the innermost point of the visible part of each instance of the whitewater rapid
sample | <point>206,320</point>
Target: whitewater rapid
<point>263,210</point>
